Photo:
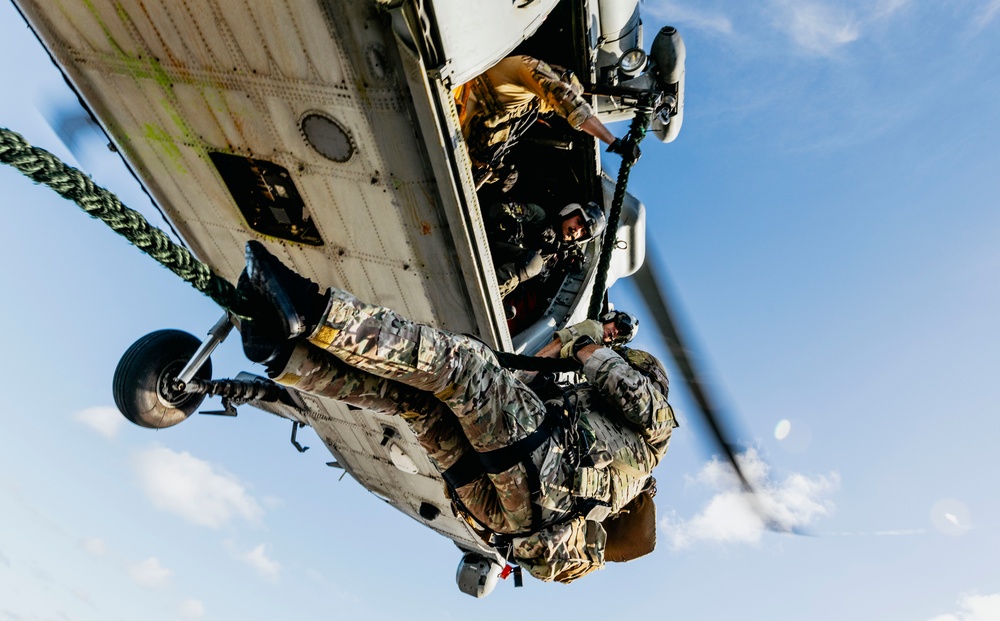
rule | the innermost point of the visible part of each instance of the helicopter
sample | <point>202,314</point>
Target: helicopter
<point>328,132</point>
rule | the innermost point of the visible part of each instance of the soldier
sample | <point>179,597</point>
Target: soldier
<point>497,107</point>
<point>541,479</point>
<point>616,328</point>
<point>525,241</point>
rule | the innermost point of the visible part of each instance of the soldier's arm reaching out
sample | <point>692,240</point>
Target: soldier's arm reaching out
<point>639,400</point>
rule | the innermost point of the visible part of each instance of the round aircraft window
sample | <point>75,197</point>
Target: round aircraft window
<point>327,136</point>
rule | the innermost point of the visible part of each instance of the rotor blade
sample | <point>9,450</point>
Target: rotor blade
<point>647,280</point>
<point>74,126</point>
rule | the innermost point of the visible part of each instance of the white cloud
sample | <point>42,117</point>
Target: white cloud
<point>266,568</point>
<point>102,419</point>
<point>192,609</point>
<point>988,13</point>
<point>675,14</point>
<point>974,608</point>
<point>734,516</point>
<point>817,28</point>
<point>94,546</point>
<point>193,489</point>
<point>149,573</point>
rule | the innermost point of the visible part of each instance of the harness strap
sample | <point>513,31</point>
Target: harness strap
<point>474,464</point>
<point>533,363</point>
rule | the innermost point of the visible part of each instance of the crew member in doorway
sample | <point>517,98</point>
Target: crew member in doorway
<point>498,106</point>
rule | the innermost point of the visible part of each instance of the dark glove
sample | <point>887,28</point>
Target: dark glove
<point>580,343</point>
<point>628,150</point>
<point>587,332</point>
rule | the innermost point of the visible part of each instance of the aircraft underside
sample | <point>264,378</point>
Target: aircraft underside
<point>327,130</point>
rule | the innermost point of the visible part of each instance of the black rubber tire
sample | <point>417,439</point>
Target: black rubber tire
<point>142,379</point>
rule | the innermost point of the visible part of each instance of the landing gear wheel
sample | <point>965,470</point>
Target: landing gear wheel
<point>143,383</point>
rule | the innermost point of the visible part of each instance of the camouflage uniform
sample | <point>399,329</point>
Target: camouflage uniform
<point>496,107</point>
<point>596,444</point>
<point>517,231</point>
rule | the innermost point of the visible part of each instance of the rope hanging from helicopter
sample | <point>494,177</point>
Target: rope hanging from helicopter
<point>636,132</point>
<point>43,167</point>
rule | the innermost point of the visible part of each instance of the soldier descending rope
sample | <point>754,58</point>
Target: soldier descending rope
<point>537,477</point>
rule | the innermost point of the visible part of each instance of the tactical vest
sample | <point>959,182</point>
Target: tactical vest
<point>613,444</point>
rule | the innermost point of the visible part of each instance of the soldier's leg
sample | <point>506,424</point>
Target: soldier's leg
<point>317,372</point>
<point>494,408</point>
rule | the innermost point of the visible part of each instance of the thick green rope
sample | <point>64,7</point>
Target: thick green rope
<point>636,132</point>
<point>43,167</point>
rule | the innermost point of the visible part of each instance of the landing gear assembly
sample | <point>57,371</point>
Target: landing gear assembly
<point>166,375</point>
<point>145,387</point>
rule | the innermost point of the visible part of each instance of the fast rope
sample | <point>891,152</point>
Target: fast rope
<point>43,167</point>
<point>636,132</point>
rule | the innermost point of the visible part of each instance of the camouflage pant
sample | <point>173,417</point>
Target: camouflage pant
<point>448,387</point>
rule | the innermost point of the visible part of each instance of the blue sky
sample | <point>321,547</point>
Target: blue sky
<point>828,218</point>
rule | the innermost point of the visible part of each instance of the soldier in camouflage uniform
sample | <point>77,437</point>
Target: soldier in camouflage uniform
<point>526,242</point>
<point>497,107</point>
<point>540,475</point>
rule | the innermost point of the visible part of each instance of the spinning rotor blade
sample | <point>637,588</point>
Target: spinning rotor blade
<point>74,126</point>
<point>647,280</point>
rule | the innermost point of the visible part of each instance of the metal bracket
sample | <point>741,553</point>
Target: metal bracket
<point>228,409</point>
<point>295,429</point>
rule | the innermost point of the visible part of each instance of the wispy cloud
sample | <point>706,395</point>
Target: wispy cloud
<point>94,546</point>
<point>150,573</point>
<point>194,489</point>
<point>988,13</point>
<point>888,8</point>
<point>83,596</point>
<point>258,559</point>
<point>974,607</point>
<point>815,27</point>
<point>106,421</point>
<point>696,17</point>
<point>191,609</point>
<point>730,517</point>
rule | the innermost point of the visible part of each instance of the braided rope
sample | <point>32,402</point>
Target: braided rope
<point>45,168</point>
<point>636,132</point>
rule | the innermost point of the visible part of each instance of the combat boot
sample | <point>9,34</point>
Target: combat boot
<point>288,305</point>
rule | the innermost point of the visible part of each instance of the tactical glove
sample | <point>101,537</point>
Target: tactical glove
<point>580,343</point>
<point>592,330</point>
<point>628,150</point>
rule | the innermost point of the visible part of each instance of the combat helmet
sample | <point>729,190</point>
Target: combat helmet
<point>647,364</point>
<point>593,218</point>
<point>627,324</point>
